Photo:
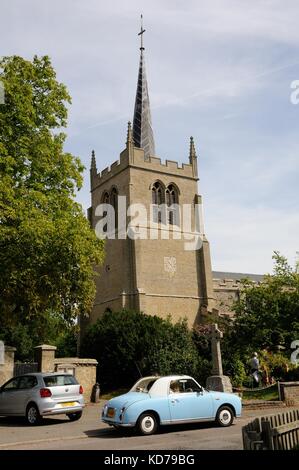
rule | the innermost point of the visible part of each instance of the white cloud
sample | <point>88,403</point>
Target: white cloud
<point>219,70</point>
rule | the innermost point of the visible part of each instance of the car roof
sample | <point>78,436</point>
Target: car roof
<point>161,385</point>
<point>169,377</point>
<point>44,374</point>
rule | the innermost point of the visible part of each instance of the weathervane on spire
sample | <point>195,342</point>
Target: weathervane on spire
<point>141,33</point>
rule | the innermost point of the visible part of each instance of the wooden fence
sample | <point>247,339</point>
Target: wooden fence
<point>252,436</point>
<point>275,432</point>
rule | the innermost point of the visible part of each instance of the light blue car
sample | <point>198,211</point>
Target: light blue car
<point>156,401</point>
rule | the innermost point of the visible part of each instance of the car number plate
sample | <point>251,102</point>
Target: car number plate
<point>110,412</point>
<point>69,403</point>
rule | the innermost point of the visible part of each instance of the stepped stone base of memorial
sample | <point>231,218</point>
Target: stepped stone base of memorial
<point>219,383</point>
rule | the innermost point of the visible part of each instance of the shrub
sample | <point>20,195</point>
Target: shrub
<point>21,338</point>
<point>129,344</point>
<point>235,368</point>
<point>204,370</point>
<point>200,337</point>
<point>66,342</point>
<point>274,364</point>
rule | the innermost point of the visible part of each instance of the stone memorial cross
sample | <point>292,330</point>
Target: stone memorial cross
<point>216,336</point>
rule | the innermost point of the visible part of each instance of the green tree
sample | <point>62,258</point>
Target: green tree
<point>47,248</point>
<point>129,344</point>
<point>267,315</point>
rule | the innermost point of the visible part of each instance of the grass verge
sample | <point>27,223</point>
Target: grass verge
<point>270,393</point>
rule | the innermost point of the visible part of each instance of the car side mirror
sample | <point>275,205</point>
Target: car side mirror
<point>199,391</point>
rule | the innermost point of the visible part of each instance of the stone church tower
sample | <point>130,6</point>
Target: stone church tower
<point>151,273</point>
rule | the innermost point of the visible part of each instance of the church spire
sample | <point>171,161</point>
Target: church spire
<point>142,125</point>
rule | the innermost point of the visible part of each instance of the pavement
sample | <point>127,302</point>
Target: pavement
<point>89,433</point>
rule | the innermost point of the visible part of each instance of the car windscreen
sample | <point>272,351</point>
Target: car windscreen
<point>144,385</point>
<point>59,380</point>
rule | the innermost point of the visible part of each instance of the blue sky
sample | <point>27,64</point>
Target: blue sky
<point>219,70</point>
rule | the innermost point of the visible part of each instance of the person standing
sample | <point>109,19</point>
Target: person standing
<point>255,365</point>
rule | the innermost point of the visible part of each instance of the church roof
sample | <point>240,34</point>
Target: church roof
<point>237,276</point>
<point>142,125</point>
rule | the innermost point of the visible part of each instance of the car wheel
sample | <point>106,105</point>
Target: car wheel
<point>75,416</point>
<point>147,424</point>
<point>32,415</point>
<point>225,416</point>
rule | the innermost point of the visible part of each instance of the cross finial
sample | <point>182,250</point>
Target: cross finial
<point>141,33</point>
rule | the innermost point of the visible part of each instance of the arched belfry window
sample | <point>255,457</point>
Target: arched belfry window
<point>158,198</point>
<point>171,195</point>
<point>172,201</point>
<point>157,194</point>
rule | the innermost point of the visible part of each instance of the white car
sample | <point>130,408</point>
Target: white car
<point>40,394</point>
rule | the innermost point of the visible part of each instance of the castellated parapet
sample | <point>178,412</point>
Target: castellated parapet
<point>134,158</point>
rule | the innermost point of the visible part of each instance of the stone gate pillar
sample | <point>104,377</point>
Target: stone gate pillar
<point>45,355</point>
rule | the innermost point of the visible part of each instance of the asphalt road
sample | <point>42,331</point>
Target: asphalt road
<point>89,433</point>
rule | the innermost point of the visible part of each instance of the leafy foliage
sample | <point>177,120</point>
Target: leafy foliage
<point>235,368</point>
<point>47,248</point>
<point>25,336</point>
<point>129,344</point>
<point>267,321</point>
<point>67,341</point>
<point>274,364</point>
<point>267,316</point>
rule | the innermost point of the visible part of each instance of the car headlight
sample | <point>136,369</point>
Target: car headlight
<point>121,415</point>
<point>105,408</point>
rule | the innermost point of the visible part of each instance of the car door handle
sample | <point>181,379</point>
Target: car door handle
<point>175,400</point>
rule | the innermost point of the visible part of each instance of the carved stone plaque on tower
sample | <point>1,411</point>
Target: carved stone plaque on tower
<point>170,264</point>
